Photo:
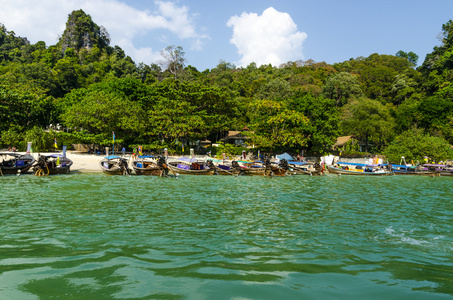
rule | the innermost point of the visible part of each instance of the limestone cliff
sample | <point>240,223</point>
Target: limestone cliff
<point>82,33</point>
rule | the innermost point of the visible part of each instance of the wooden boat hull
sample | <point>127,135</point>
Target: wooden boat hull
<point>114,171</point>
<point>252,171</point>
<point>56,170</point>
<point>441,169</point>
<point>336,170</point>
<point>305,172</point>
<point>221,169</point>
<point>305,169</point>
<point>274,171</point>
<point>445,173</point>
<point>421,173</point>
<point>148,172</point>
<point>147,168</point>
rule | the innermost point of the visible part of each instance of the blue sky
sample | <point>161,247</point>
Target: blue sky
<point>239,32</point>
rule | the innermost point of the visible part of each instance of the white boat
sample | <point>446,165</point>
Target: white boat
<point>114,165</point>
<point>346,168</point>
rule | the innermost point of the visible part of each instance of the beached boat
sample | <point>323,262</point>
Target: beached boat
<point>413,170</point>
<point>251,167</point>
<point>260,168</point>
<point>441,169</point>
<point>115,165</point>
<point>304,168</point>
<point>192,166</point>
<point>275,169</point>
<point>52,164</point>
<point>345,168</point>
<point>224,167</point>
<point>146,165</point>
<point>151,165</point>
<point>15,163</point>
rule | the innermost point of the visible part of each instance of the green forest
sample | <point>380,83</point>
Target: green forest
<point>89,89</point>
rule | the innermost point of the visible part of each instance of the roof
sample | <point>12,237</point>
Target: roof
<point>146,156</point>
<point>113,157</point>
<point>235,135</point>
<point>342,140</point>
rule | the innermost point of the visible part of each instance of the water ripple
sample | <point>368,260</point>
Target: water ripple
<point>118,237</point>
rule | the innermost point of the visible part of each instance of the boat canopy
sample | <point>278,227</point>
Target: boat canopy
<point>188,159</point>
<point>358,164</point>
<point>56,155</point>
<point>403,166</point>
<point>250,161</point>
<point>112,157</point>
<point>146,156</point>
<point>435,165</point>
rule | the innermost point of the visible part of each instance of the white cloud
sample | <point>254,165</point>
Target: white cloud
<point>45,20</point>
<point>272,38</point>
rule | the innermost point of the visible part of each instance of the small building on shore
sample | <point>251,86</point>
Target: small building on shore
<point>237,137</point>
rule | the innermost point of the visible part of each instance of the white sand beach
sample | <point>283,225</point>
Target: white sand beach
<point>81,162</point>
<point>85,162</point>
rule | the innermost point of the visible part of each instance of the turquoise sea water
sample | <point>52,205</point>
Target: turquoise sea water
<point>93,236</point>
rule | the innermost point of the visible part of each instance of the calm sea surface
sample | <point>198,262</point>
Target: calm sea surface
<point>93,236</point>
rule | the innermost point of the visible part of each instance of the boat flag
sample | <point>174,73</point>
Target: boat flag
<point>29,149</point>
<point>56,145</point>
<point>113,133</point>
<point>64,151</point>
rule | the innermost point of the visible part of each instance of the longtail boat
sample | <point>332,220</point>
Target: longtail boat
<point>15,163</point>
<point>441,169</point>
<point>266,168</point>
<point>52,164</point>
<point>192,166</point>
<point>114,165</point>
<point>345,168</point>
<point>304,168</point>
<point>251,167</point>
<point>414,170</point>
<point>275,169</point>
<point>151,165</point>
<point>224,167</point>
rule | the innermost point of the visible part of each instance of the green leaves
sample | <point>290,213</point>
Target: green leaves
<point>274,125</point>
<point>368,120</point>
<point>414,145</point>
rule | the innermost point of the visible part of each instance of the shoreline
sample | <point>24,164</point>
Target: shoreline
<point>83,162</point>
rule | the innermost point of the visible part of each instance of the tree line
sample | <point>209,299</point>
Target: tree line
<point>93,89</point>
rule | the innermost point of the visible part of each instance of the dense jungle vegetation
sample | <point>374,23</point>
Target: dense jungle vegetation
<point>92,89</point>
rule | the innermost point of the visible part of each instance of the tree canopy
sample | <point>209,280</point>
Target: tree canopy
<point>92,88</point>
